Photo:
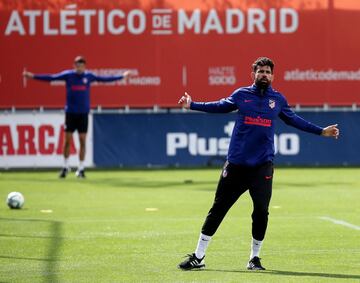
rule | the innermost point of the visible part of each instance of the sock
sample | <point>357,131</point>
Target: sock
<point>255,248</point>
<point>81,165</point>
<point>202,245</point>
<point>66,162</point>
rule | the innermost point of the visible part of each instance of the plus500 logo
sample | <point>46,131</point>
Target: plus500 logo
<point>285,144</point>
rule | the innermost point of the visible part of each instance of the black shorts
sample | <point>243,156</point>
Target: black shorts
<point>76,122</point>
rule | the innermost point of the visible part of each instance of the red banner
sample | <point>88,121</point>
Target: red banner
<point>203,47</point>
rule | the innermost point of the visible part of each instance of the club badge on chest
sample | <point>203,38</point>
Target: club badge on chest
<point>272,103</point>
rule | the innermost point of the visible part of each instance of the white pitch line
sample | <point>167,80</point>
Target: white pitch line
<point>340,222</point>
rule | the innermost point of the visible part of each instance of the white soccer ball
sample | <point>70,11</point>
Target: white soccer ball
<point>15,200</point>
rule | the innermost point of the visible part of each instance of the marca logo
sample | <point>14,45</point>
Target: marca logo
<point>30,140</point>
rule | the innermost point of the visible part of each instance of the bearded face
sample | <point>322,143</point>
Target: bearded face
<point>263,77</point>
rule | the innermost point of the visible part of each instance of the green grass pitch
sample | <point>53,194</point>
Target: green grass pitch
<point>136,226</point>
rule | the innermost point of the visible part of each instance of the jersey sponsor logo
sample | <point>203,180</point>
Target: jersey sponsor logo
<point>258,121</point>
<point>78,87</point>
<point>247,100</point>
<point>272,103</point>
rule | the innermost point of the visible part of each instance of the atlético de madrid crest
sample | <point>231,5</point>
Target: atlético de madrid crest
<point>224,173</point>
<point>271,103</point>
<point>85,81</point>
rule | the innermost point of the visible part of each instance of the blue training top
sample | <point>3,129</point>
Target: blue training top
<point>252,140</point>
<point>77,88</point>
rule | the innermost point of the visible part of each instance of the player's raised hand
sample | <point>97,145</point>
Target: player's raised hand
<point>28,75</point>
<point>185,100</point>
<point>331,131</point>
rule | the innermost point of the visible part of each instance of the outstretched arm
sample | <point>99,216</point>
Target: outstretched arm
<point>290,118</point>
<point>112,78</point>
<point>46,77</point>
<point>222,106</point>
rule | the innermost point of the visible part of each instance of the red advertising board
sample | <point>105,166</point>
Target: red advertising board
<point>203,47</point>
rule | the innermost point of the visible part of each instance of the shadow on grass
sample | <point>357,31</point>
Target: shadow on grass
<point>52,256</point>
<point>126,182</point>
<point>291,273</point>
<point>312,184</point>
<point>146,183</point>
<point>25,258</point>
<point>26,236</point>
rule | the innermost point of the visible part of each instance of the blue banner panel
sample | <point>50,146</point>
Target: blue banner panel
<point>198,139</point>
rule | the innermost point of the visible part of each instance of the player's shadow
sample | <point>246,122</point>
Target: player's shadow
<point>151,184</point>
<point>311,184</point>
<point>52,256</point>
<point>292,273</point>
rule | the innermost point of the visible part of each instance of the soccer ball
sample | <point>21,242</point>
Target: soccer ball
<point>15,200</point>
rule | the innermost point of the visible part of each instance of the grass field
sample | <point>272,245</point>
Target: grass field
<point>135,226</point>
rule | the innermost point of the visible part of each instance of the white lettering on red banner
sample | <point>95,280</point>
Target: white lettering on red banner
<point>71,21</point>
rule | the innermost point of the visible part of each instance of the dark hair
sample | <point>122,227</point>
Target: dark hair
<point>79,59</point>
<point>263,61</point>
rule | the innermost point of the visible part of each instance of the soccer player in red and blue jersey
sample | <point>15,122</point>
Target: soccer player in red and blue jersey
<point>77,106</point>
<point>249,164</point>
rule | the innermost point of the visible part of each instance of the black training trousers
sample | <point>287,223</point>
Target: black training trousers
<point>234,181</point>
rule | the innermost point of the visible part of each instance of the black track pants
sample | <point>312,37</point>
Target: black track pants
<point>234,181</point>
